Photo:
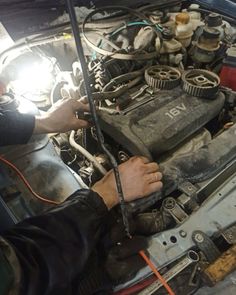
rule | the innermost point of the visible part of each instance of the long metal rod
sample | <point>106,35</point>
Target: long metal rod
<point>80,51</point>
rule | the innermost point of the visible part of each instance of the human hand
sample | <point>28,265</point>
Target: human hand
<point>139,178</point>
<point>61,117</point>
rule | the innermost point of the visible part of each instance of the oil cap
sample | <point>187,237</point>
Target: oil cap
<point>182,18</point>
<point>213,20</point>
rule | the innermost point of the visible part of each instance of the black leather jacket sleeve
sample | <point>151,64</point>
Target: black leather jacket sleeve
<point>54,247</point>
<point>15,128</point>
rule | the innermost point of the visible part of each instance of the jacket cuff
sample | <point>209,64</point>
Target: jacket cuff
<point>92,199</point>
<point>20,128</point>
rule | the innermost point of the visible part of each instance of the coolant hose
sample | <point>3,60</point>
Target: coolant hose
<point>85,153</point>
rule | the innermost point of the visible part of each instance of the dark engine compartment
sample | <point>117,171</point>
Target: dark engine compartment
<point>162,77</point>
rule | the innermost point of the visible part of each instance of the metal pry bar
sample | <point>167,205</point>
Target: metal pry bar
<point>78,42</point>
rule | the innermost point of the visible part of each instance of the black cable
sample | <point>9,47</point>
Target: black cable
<point>78,42</point>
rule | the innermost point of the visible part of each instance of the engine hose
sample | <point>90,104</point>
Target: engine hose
<point>153,222</point>
<point>85,153</point>
<point>78,42</point>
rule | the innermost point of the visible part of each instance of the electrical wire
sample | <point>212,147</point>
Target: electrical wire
<point>156,272</point>
<point>79,47</point>
<point>85,153</point>
<point>23,179</point>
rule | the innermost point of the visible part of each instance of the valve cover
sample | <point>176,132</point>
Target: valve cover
<point>156,123</point>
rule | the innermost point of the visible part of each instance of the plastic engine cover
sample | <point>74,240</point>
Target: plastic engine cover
<point>157,123</point>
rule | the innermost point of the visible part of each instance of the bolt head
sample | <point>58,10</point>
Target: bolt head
<point>199,238</point>
<point>183,234</point>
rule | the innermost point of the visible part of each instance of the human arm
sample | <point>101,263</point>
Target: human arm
<point>53,248</point>
<point>17,128</point>
<point>61,117</point>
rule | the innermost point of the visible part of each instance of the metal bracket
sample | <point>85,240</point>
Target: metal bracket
<point>187,188</point>
<point>189,197</point>
<point>173,208</point>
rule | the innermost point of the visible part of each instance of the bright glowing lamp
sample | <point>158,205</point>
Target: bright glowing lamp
<point>35,78</point>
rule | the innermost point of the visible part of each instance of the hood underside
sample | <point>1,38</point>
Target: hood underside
<point>25,17</point>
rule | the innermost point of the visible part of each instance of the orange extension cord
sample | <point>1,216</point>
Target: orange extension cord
<point>142,254</point>
<point>13,167</point>
<point>156,272</point>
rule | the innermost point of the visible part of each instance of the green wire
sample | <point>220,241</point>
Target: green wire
<point>141,23</point>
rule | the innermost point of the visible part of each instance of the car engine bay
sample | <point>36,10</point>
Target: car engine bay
<point>163,79</point>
